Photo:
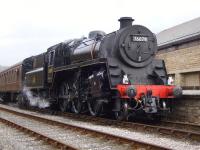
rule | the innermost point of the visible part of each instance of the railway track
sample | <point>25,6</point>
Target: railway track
<point>13,139</point>
<point>181,125</point>
<point>191,130</point>
<point>67,136</point>
<point>35,136</point>
<point>175,129</point>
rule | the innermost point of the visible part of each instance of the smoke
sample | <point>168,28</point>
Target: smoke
<point>35,101</point>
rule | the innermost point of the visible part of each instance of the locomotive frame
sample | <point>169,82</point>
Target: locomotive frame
<point>104,73</point>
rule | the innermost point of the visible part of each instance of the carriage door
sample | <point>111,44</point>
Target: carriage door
<point>51,56</point>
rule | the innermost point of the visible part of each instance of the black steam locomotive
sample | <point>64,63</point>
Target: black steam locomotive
<point>114,72</point>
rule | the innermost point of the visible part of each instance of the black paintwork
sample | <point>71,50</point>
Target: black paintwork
<point>130,50</point>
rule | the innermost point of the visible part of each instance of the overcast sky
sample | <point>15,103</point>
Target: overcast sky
<point>29,27</point>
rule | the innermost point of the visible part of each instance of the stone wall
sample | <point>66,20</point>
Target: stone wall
<point>181,60</point>
<point>186,109</point>
<point>183,64</point>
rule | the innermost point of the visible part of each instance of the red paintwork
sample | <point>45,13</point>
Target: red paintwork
<point>161,91</point>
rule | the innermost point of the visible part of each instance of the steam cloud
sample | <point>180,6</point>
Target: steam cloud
<point>35,101</point>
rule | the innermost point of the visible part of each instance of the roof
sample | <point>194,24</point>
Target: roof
<point>180,33</point>
<point>11,67</point>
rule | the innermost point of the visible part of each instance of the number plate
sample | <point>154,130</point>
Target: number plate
<point>139,39</point>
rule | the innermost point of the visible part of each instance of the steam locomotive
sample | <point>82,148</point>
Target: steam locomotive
<point>115,72</point>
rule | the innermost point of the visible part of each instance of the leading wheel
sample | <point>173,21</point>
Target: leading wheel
<point>123,113</point>
<point>95,107</point>
<point>64,96</point>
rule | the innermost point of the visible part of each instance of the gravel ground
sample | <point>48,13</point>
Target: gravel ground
<point>172,143</point>
<point>142,136</point>
<point>12,139</point>
<point>79,140</point>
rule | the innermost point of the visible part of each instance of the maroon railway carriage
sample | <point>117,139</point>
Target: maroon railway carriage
<point>11,81</point>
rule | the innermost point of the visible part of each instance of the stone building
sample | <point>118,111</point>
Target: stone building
<point>179,46</point>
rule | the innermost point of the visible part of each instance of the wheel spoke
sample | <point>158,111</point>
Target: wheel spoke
<point>95,107</point>
<point>76,105</point>
<point>64,96</point>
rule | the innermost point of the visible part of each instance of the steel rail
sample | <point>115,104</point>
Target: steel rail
<point>174,132</point>
<point>135,144</point>
<point>51,141</point>
<point>176,124</point>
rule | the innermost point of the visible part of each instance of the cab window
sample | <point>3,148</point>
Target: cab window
<point>51,57</point>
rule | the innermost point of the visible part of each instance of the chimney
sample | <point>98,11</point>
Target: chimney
<point>125,22</point>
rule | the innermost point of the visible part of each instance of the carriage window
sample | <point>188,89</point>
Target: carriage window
<point>51,57</point>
